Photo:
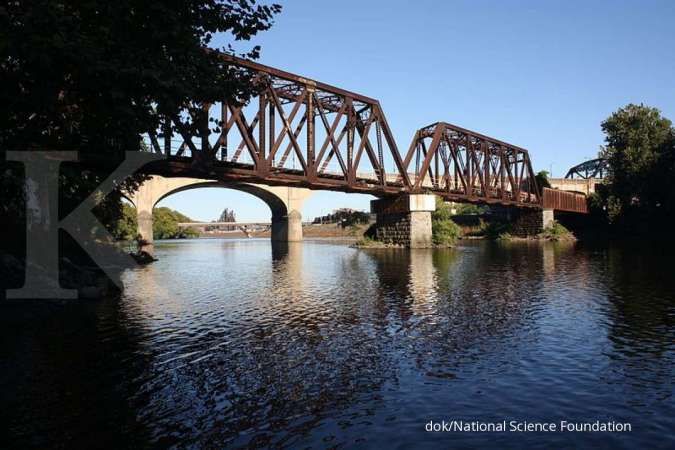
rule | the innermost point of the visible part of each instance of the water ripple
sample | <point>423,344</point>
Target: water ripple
<point>236,343</point>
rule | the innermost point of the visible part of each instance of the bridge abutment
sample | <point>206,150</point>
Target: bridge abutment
<point>404,220</point>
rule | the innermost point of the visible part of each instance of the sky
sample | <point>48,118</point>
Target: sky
<point>540,75</point>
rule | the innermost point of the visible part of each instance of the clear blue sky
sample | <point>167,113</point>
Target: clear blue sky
<point>541,74</point>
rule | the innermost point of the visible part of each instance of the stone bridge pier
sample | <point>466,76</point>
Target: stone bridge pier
<point>525,222</point>
<point>284,202</point>
<point>404,220</point>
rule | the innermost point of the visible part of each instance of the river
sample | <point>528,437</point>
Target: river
<point>236,343</point>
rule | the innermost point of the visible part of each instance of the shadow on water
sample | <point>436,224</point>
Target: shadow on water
<point>641,322</point>
<point>67,373</point>
<point>239,343</point>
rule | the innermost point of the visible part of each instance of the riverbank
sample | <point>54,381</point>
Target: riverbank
<point>367,242</point>
<point>476,229</point>
<point>329,230</point>
<point>89,281</point>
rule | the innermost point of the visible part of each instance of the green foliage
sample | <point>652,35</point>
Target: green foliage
<point>345,217</point>
<point>94,75</point>
<point>367,241</point>
<point>126,227</point>
<point>542,179</point>
<point>614,209</point>
<point>496,230</point>
<point>641,154</point>
<point>356,217</point>
<point>470,209</point>
<point>596,202</point>
<point>504,237</point>
<point>443,210</point>
<point>165,224</point>
<point>556,232</point>
<point>444,231</point>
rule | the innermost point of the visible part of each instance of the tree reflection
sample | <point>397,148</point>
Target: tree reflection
<point>642,324</point>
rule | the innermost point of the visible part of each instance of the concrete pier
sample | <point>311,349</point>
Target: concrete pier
<point>404,220</point>
<point>531,222</point>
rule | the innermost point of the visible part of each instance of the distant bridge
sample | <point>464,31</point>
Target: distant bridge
<point>223,224</point>
<point>582,178</point>
<point>239,226</point>
<point>584,186</point>
<point>594,168</point>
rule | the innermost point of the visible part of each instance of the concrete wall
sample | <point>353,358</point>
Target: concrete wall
<point>285,204</point>
<point>575,185</point>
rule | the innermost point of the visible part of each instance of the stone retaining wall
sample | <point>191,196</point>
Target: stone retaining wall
<point>404,220</point>
<point>412,229</point>
<point>530,222</point>
<point>393,228</point>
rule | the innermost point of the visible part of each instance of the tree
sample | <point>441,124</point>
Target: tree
<point>542,180</point>
<point>227,216</point>
<point>471,209</point>
<point>640,150</point>
<point>443,210</point>
<point>444,231</point>
<point>94,75</point>
<point>126,227</point>
<point>165,224</point>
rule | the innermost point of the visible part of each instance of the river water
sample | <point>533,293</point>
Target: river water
<point>235,343</point>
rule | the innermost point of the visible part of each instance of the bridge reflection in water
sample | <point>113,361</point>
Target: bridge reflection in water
<point>240,343</point>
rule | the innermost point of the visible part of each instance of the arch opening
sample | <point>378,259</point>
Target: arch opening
<point>276,205</point>
<point>285,204</point>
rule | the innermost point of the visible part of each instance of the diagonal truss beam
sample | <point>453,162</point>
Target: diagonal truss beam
<point>450,161</point>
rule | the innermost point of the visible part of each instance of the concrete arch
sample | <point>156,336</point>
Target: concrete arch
<point>271,199</point>
<point>285,203</point>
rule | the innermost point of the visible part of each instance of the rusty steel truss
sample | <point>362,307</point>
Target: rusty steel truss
<point>459,164</point>
<point>300,132</point>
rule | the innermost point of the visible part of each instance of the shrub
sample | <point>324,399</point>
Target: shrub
<point>443,211</point>
<point>367,241</point>
<point>496,230</point>
<point>126,228</point>
<point>165,224</point>
<point>556,232</point>
<point>445,232</point>
<point>504,237</point>
<point>471,209</point>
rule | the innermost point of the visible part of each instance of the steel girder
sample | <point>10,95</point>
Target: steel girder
<point>301,132</point>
